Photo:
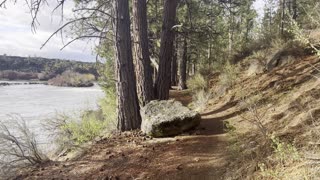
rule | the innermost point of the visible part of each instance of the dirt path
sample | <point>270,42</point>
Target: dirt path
<point>198,155</point>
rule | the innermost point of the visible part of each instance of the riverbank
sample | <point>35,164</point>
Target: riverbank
<point>14,83</point>
<point>11,83</point>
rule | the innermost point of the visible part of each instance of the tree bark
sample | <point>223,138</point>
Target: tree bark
<point>183,67</point>
<point>128,115</point>
<point>282,18</point>
<point>174,66</point>
<point>294,9</point>
<point>141,53</point>
<point>162,85</point>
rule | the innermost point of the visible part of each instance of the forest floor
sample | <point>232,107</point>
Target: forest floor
<point>200,154</point>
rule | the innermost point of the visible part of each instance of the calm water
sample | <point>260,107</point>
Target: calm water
<point>36,103</point>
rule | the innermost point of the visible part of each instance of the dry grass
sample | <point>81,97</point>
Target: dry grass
<point>200,100</point>
<point>197,83</point>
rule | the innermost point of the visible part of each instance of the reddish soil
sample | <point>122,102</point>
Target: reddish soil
<point>200,154</point>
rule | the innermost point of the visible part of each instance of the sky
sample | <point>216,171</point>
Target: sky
<point>259,5</point>
<point>17,39</point>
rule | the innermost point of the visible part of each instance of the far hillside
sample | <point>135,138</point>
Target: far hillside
<point>38,68</point>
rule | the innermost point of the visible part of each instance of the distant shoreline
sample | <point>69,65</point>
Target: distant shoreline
<point>11,83</point>
<point>4,82</point>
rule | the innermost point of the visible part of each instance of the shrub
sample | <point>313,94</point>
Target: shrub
<point>285,153</point>
<point>18,146</point>
<point>261,56</point>
<point>73,79</point>
<point>197,83</point>
<point>85,130</point>
<point>70,132</point>
<point>108,107</point>
<point>206,70</point>
<point>256,115</point>
<point>200,99</point>
<point>45,76</point>
<point>229,75</point>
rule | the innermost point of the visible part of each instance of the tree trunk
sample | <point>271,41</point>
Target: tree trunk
<point>183,67</point>
<point>162,85</point>
<point>283,6</point>
<point>174,66</point>
<point>230,33</point>
<point>294,9</point>
<point>141,52</point>
<point>128,115</point>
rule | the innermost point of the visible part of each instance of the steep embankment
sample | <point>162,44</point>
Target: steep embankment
<point>273,119</point>
<point>273,133</point>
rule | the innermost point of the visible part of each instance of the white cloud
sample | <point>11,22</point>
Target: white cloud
<point>18,39</point>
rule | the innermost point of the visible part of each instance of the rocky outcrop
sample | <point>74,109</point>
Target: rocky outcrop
<point>167,118</point>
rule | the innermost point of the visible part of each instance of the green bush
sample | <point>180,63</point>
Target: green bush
<point>108,104</point>
<point>197,83</point>
<point>70,131</point>
<point>229,75</point>
<point>108,107</point>
<point>206,70</point>
<point>85,130</point>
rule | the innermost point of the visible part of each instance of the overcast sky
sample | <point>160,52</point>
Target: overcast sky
<point>16,37</point>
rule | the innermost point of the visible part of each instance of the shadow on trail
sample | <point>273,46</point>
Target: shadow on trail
<point>221,109</point>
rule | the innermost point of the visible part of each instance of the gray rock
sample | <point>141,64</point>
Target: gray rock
<point>167,118</point>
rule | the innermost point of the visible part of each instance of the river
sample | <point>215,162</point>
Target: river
<point>36,103</point>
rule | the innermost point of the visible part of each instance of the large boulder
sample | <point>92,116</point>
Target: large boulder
<point>167,118</point>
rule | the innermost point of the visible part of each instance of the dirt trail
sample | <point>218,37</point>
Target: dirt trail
<point>198,155</point>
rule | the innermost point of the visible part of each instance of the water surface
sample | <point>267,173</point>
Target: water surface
<point>36,103</point>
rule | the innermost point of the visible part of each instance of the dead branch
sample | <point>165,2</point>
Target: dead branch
<point>18,146</point>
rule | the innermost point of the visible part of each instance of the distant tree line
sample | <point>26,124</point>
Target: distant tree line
<point>26,68</point>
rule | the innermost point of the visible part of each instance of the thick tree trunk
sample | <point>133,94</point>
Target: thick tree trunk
<point>183,67</point>
<point>162,85</point>
<point>127,100</point>
<point>141,52</point>
<point>174,66</point>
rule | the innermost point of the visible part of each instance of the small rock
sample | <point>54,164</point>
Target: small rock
<point>108,152</point>
<point>253,144</point>
<point>179,167</point>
